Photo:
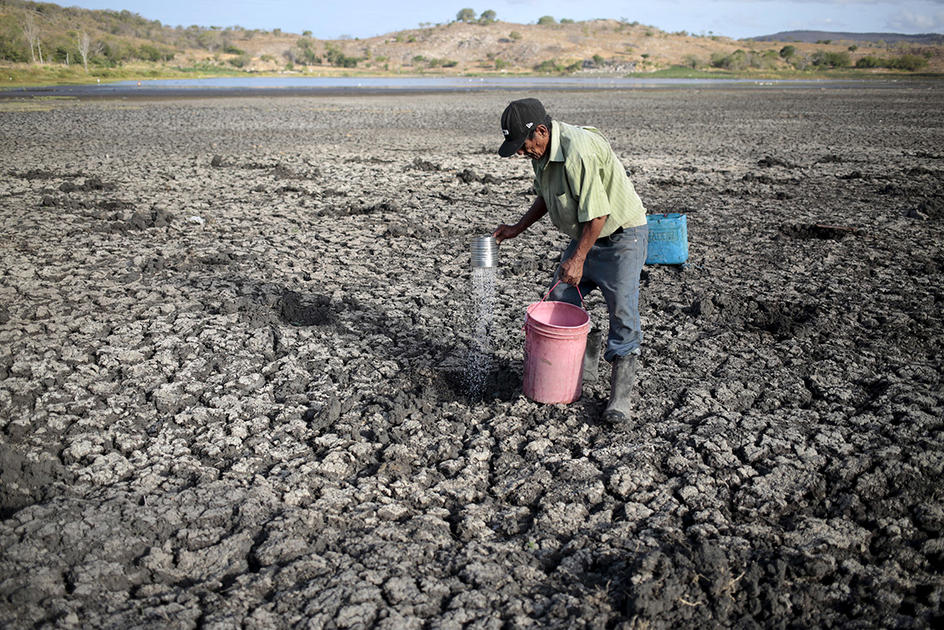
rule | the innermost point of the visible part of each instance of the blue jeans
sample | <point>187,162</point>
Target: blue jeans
<point>613,264</point>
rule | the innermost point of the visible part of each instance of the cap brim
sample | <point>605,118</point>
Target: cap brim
<point>510,147</point>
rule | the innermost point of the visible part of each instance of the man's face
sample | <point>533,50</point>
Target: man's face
<point>535,146</point>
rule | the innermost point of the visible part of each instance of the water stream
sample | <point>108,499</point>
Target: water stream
<point>482,316</point>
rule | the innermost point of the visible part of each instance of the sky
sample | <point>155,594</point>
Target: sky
<point>366,18</point>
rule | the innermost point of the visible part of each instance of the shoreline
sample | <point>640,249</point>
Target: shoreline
<point>355,86</point>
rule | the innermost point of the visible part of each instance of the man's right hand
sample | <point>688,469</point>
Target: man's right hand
<point>505,232</point>
<point>537,210</point>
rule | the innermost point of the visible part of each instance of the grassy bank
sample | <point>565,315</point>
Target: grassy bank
<point>679,72</point>
<point>29,75</point>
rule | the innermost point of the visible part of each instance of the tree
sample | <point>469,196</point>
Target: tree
<point>465,15</point>
<point>487,17</point>
<point>83,43</point>
<point>831,59</point>
<point>546,20</point>
<point>31,32</point>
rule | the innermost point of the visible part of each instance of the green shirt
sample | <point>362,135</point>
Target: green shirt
<point>581,178</point>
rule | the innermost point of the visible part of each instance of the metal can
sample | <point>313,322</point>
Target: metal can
<point>485,252</point>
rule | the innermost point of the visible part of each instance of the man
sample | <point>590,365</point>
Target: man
<point>582,185</point>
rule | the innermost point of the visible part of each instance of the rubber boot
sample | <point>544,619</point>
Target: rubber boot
<point>591,356</point>
<point>618,411</point>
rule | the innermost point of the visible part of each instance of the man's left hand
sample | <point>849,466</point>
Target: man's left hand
<point>572,270</point>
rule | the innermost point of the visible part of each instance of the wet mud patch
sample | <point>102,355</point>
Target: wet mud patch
<point>298,309</point>
<point>502,382</point>
<point>26,480</point>
<point>852,175</point>
<point>154,217</point>
<point>818,231</point>
<point>91,184</point>
<point>42,174</point>
<point>451,384</point>
<point>932,209</point>
<point>419,164</point>
<point>282,171</point>
<point>781,319</point>
<point>770,162</point>
<point>468,176</point>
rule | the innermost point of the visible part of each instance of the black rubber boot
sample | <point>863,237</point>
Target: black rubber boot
<point>618,411</point>
<point>591,356</point>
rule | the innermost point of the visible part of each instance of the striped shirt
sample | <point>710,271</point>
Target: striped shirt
<point>581,178</point>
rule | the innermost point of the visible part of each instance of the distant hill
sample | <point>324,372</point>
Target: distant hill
<point>42,35</point>
<point>814,37</point>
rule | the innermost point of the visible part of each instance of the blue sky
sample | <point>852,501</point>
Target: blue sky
<point>366,18</point>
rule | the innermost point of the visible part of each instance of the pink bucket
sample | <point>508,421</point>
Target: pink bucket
<point>554,343</point>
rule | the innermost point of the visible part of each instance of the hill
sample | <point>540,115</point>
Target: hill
<point>47,42</point>
<point>813,37</point>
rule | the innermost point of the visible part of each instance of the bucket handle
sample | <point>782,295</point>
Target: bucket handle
<point>548,294</point>
<point>582,303</point>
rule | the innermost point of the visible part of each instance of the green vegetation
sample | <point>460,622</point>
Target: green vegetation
<point>304,52</point>
<point>420,60</point>
<point>740,60</point>
<point>830,59</point>
<point>904,62</point>
<point>43,32</point>
<point>691,61</point>
<point>552,66</point>
<point>335,57</point>
<point>546,20</point>
<point>240,62</point>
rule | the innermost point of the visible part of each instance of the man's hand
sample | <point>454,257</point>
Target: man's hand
<point>572,270</point>
<point>537,210</point>
<point>505,232</point>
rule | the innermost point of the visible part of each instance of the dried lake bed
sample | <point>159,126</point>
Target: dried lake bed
<point>233,333</point>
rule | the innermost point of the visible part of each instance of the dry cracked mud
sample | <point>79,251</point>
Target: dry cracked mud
<point>232,339</point>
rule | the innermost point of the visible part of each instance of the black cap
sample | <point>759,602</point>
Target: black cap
<point>517,121</point>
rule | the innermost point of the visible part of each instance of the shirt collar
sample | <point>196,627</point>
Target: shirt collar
<point>555,153</point>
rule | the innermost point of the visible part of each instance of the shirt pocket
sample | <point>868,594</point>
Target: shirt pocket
<point>566,203</point>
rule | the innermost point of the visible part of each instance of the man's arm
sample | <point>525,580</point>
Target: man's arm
<point>572,268</point>
<point>537,210</point>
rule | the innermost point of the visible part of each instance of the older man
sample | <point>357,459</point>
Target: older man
<point>582,185</point>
